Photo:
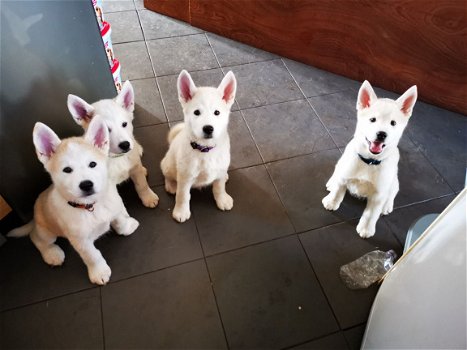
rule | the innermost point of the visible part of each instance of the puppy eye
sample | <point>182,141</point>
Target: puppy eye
<point>124,124</point>
<point>393,122</point>
<point>216,112</point>
<point>372,120</point>
<point>67,170</point>
<point>92,164</point>
<point>197,112</point>
<point>110,130</point>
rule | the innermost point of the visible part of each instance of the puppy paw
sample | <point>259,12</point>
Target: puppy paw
<point>149,199</point>
<point>100,273</point>
<point>329,203</point>
<point>364,229</point>
<point>224,201</point>
<point>170,186</point>
<point>181,214</point>
<point>128,227</point>
<point>54,255</point>
<point>387,209</point>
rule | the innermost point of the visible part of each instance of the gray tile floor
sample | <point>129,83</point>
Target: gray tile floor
<point>264,275</point>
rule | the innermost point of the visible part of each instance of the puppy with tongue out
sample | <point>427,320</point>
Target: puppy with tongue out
<point>368,166</point>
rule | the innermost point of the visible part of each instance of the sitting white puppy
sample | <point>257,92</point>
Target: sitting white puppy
<point>368,167</point>
<point>125,152</point>
<point>81,204</point>
<point>199,152</point>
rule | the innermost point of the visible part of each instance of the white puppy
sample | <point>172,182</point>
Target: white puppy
<point>368,167</point>
<point>199,152</point>
<point>125,152</point>
<point>81,204</point>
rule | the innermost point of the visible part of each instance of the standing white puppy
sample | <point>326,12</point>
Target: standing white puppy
<point>199,152</point>
<point>125,152</point>
<point>81,204</point>
<point>368,167</point>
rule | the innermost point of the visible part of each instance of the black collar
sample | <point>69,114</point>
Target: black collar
<point>88,207</point>
<point>200,148</point>
<point>369,161</point>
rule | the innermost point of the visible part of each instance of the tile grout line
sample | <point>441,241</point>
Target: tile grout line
<point>152,66</point>
<point>102,318</point>
<point>309,340</point>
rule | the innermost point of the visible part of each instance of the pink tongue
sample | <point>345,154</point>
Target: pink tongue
<point>376,147</point>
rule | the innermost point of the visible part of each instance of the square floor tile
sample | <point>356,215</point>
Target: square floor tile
<point>418,179</point>
<point>331,247</point>
<point>171,308</point>
<point>335,341</point>
<point>354,337</point>
<point>287,129</point>
<point>232,53</point>
<point>301,183</point>
<point>125,26</point>
<point>134,60</point>
<point>169,92</point>
<point>158,242</point>
<point>117,5</point>
<point>157,26</point>
<point>25,278</point>
<point>243,150</point>
<point>154,142</point>
<point>338,113</point>
<point>171,55</point>
<point>72,321</point>
<point>257,214</point>
<point>148,103</point>
<point>263,83</point>
<point>315,82</point>
<point>442,136</point>
<point>402,219</point>
<point>268,296</point>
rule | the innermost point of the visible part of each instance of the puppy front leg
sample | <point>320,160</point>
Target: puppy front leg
<point>334,199</point>
<point>389,205</point>
<point>181,212</point>
<point>98,270</point>
<point>367,225</point>
<point>223,200</point>
<point>147,196</point>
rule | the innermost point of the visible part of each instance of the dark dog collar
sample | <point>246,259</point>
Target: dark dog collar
<point>369,161</point>
<point>200,148</point>
<point>88,207</point>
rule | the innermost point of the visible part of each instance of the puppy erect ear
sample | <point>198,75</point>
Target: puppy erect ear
<point>45,141</point>
<point>126,97</point>
<point>407,100</point>
<point>366,96</point>
<point>98,134</point>
<point>81,111</point>
<point>186,87</point>
<point>228,88</point>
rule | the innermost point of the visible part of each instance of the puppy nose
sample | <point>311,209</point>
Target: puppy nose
<point>125,146</point>
<point>86,185</point>
<point>208,129</point>
<point>381,135</point>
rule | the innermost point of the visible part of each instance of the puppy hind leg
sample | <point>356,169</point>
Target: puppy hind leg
<point>147,196</point>
<point>223,200</point>
<point>45,243</point>
<point>123,224</point>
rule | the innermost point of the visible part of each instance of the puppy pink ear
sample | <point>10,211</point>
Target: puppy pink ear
<point>186,87</point>
<point>81,111</point>
<point>228,88</point>
<point>366,96</point>
<point>98,134</point>
<point>126,97</point>
<point>45,141</point>
<point>407,100</point>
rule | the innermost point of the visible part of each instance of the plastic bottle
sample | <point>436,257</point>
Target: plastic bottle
<point>368,269</point>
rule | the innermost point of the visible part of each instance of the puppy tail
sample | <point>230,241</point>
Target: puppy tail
<point>22,231</point>
<point>174,131</point>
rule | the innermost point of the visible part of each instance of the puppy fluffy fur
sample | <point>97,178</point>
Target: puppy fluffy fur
<point>73,163</point>
<point>380,124</point>
<point>125,151</point>
<point>206,116</point>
